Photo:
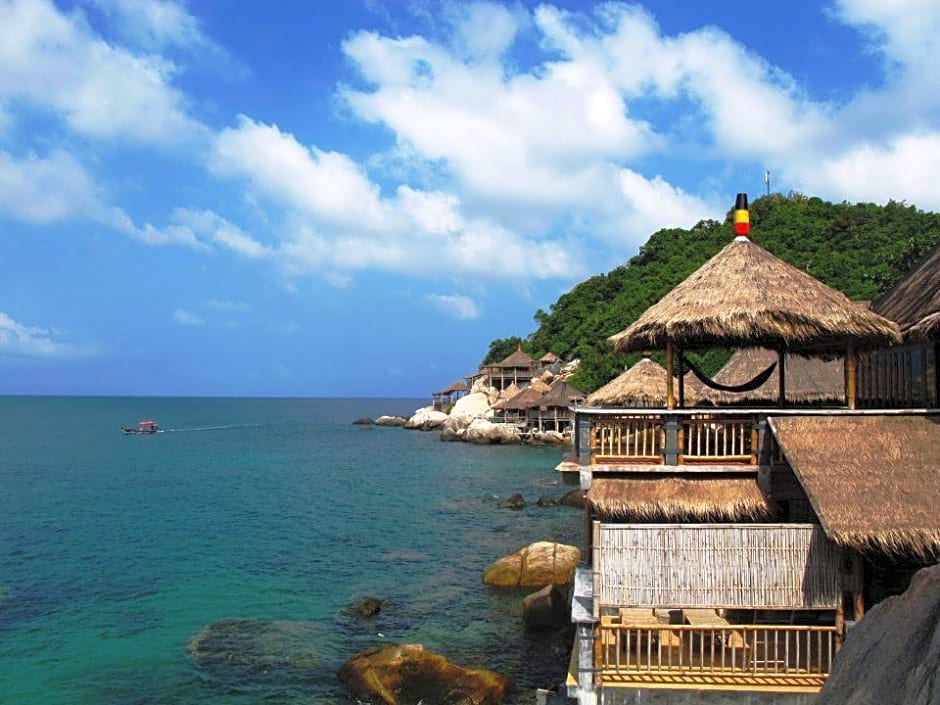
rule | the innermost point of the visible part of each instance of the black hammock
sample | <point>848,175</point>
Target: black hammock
<point>760,379</point>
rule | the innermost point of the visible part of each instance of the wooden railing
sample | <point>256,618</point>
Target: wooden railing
<point>673,440</point>
<point>736,656</point>
<point>634,438</point>
<point>718,440</point>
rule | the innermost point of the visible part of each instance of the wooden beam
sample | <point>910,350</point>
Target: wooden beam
<point>670,366</point>
<point>851,372</point>
<point>858,585</point>
<point>781,378</point>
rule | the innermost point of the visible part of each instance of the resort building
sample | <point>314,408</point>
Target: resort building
<point>517,368</point>
<point>731,548</point>
<point>446,397</point>
<point>552,412</point>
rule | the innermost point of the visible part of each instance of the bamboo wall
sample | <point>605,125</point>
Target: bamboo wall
<point>773,566</point>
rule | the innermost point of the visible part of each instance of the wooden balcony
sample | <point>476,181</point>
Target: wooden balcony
<point>782,658</point>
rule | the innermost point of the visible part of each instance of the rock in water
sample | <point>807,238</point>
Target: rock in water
<point>892,656</point>
<point>540,563</point>
<point>574,498</point>
<point>548,608</point>
<point>368,607</point>
<point>402,674</point>
<point>391,421</point>
<point>517,501</point>
<point>236,651</point>
<point>363,421</point>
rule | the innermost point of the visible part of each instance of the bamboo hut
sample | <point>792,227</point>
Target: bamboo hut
<point>642,386</point>
<point>551,412</point>
<point>450,394</point>
<point>517,368</point>
<point>513,409</point>
<point>809,380</point>
<point>744,297</point>
<point>914,302</point>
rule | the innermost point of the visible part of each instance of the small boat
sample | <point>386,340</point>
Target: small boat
<point>147,426</point>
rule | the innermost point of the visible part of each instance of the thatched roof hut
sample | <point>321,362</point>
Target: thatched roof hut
<point>457,387</point>
<point>518,358</point>
<point>873,481</point>
<point>562,394</point>
<point>530,396</point>
<point>746,297</point>
<point>548,358</point>
<point>809,380</point>
<point>643,385</point>
<point>675,499</point>
<point>914,302</point>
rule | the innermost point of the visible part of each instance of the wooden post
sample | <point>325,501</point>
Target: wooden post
<point>670,364</point>
<point>858,585</point>
<point>681,377</point>
<point>851,372</point>
<point>781,378</point>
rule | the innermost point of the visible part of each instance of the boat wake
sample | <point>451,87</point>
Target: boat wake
<point>211,428</point>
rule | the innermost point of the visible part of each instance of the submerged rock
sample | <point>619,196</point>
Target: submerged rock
<point>369,607</point>
<point>238,650</point>
<point>540,563</point>
<point>363,421</point>
<point>574,498</point>
<point>548,608</point>
<point>546,501</point>
<point>891,656</point>
<point>403,674</point>
<point>517,501</point>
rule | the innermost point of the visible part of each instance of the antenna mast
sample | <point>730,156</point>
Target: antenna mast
<point>767,180</point>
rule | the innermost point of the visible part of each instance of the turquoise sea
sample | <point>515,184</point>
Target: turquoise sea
<point>115,550</point>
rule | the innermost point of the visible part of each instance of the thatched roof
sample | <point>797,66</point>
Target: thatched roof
<point>562,394</point>
<point>914,302</point>
<point>673,499</point>
<point>530,396</point>
<point>808,380</point>
<point>458,386</point>
<point>643,385</point>
<point>874,481</point>
<point>519,358</point>
<point>745,297</point>
<point>548,358</point>
<point>539,384</point>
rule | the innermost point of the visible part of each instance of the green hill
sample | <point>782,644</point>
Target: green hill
<point>860,249</point>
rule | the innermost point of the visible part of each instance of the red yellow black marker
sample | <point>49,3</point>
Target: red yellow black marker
<point>742,217</point>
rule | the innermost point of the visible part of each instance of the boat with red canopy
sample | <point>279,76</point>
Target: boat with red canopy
<point>148,426</point>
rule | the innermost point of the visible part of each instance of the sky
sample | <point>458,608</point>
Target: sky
<point>353,199</point>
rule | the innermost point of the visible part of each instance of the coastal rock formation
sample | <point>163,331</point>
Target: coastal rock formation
<point>363,421</point>
<point>408,673</point>
<point>369,607</point>
<point>426,419</point>
<point>546,501</point>
<point>549,437</point>
<point>540,563</point>
<point>517,501</point>
<point>574,498</point>
<point>891,656</point>
<point>485,432</point>
<point>548,608</point>
<point>236,650</point>
<point>391,421</point>
<point>472,406</point>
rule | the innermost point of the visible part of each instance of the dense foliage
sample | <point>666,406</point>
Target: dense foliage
<point>860,249</point>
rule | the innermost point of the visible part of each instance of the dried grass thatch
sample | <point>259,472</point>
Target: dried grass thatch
<point>808,380</point>
<point>458,386</point>
<point>518,359</point>
<point>914,302</point>
<point>562,394</point>
<point>644,386</point>
<point>528,397</point>
<point>873,481</point>
<point>745,297</point>
<point>673,499</point>
<point>508,392</point>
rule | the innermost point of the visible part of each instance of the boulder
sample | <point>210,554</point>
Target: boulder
<point>481,384</point>
<point>485,432</point>
<point>391,421</point>
<point>472,406</point>
<point>891,656</point>
<point>451,434</point>
<point>546,501</point>
<point>426,419</point>
<point>408,673</point>
<point>517,501</point>
<point>554,437</point>
<point>574,498</point>
<point>548,608</point>
<point>540,563</point>
<point>363,421</point>
<point>369,607</point>
<point>238,650</point>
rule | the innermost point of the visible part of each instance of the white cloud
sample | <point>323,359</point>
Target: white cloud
<point>460,307</point>
<point>42,190</point>
<point>219,231</point>
<point>53,61</point>
<point>33,341</point>
<point>186,317</point>
<point>229,306</point>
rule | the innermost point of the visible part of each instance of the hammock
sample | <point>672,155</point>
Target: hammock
<point>760,379</point>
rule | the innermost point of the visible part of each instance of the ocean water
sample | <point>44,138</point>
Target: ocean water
<point>116,550</point>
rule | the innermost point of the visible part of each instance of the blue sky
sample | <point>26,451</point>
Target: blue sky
<point>353,199</point>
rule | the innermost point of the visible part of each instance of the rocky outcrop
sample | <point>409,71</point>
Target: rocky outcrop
<point>517,501</point>
<point>235,650</point>
<point>540,563</point>
<point>548,608</point>
<point>574,498</point>
<point>472,406</point>
<point>391,421</point>
<point>408,673</point>
<point>369,607</point>
<point>891,656</point>
<point>363,421</point>
<point>549,437</point>
<point>484,432</point>
<point>426,419</point>
<point>546,501</point>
